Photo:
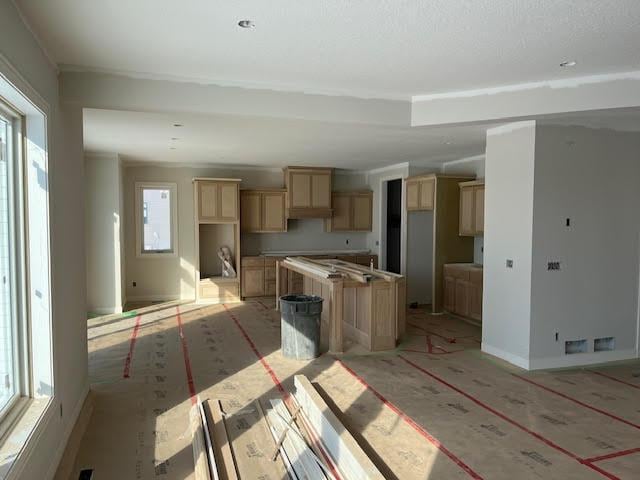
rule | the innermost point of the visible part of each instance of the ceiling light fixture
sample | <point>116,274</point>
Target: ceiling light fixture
<point>175,138</point>
<point>246,24</point>
<point>178,125</point>
<point>568,63</point>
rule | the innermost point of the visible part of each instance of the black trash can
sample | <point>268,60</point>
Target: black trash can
<point>300,326</point>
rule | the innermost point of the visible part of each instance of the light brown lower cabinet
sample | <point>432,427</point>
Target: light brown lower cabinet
<point>463,290</point>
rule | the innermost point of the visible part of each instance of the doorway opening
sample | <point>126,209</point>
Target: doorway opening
<point>394,225</point>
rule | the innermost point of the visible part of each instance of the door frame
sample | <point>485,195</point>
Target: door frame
<point>382,239</point>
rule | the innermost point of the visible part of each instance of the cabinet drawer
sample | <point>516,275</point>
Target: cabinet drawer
<point>457,271</point>
<point>475,276</point>
<point>252,261</point>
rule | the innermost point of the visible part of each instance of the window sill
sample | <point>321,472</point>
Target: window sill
<point>153,256</point>
<point>28,413</point>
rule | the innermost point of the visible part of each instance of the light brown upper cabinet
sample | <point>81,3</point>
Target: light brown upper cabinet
<point>471,208</point>
<point>352,212</point>
<point>309,192</point>
<point>263,211</point>
<point>217,200</point>
<point>420,192</point>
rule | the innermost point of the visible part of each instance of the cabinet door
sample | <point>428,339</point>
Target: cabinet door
<point>253,281</point>
<point>462,298</point>
<point>321,190</point>
<point>207,201</point>
<point>273,212</point>
<point>449,294</point>
<point>250,211</point>
<point>467,214</point>
<point>413,195</point>
<point>427,190</point>
<point>300,190</point>
<point>478,197</point>
<point>475,301</point>
<point>341,219</point>
<point>361,210</point>
<point>228,211</point>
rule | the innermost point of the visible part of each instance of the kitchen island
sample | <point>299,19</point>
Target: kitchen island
<point>362,304</point>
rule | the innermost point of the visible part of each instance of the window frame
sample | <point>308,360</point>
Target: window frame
<point>19,281</point>
<point>139,219</point>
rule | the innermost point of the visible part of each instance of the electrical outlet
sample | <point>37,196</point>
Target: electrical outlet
<point>134,284</point>
<point>556,336</point>
<point>553,266</point>
<point>60,410</point>
<point>509,263</point>
<point>347,241</point>
<point>568,222</point>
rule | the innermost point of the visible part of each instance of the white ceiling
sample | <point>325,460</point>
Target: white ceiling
<point>261,141</point>
<point>383,48</point>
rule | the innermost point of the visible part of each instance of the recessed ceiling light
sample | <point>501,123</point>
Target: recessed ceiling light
<point>568,63</point>
<point>175,138</point>
<point>172,148</point>
<point>246,24</point>
<point>178,125</point>
<point>448,142</point>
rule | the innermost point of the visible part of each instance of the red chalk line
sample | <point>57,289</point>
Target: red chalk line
<point>261,359</point>
<point>546,441</point>
<point>412,423</point>
<point>286,395</point>
<point>585,405</point>
<point>613,455</point>
<point>614,379</point>
<point>187,361</point>
<point>132,344</point>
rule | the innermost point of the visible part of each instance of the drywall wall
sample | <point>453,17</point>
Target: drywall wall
<point>591,178</point>
<point>174,277</point>
<point>23,62</point>
<point>103,225</point>
<point>509,178</point>
<point>420,254</point>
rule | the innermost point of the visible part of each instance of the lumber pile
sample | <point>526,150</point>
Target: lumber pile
<point>298,438</point>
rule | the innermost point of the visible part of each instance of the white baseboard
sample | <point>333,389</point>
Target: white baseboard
<point>509,357</point>
<point>105,310</point>
<point>43,425</point>
<point>153,298</point>
<point>581,359</point>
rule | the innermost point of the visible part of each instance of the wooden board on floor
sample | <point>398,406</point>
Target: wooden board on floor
<point>351,460</point>
<point>221,446</point>
<point>252,444</point>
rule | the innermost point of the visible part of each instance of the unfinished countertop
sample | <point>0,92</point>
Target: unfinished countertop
<point>299,253</point>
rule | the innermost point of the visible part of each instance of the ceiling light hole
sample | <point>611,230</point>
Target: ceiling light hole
<point>568,63</point>
<point>246,24</point>
<point>178,125</point>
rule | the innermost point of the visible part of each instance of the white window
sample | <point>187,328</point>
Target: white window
<point>9,335</point>
<point>156,207</point>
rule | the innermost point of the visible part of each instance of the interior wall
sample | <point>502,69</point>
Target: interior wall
<point>509,179</point>
<point>104,234</point>
<point>420,254</point>
<point>174,277</point>
<point>65,175</point>
<point>591,178</point>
